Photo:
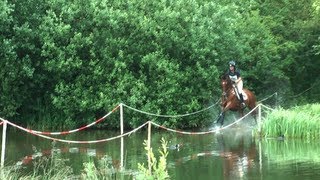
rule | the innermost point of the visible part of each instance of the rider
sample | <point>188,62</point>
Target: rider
<point>235,77</point>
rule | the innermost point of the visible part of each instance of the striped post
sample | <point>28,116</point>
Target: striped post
<point>121,131</point>
<point>3,148</point>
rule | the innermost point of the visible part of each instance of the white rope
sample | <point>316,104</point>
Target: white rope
<point>269,108</point>
<point>78,129</point>
<point>207,132</point>
<point>276,93</point>
<point>170,116</point>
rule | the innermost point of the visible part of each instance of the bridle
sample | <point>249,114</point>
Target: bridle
<point>225,91</point>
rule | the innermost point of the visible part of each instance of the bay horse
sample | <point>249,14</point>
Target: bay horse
<point>230,101</point>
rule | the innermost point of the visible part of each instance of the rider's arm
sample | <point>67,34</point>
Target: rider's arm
<point>239,77</point>
<point>238,80</point>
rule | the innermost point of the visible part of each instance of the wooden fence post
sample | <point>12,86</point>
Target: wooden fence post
<point>3,148</point>
<point>121,131</point>
<point>259,119</point>
<point>149,145</point>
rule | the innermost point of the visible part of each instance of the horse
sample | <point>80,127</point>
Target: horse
<point>230,101</point>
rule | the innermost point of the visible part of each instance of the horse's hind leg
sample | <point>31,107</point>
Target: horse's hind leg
<point>255,116</point>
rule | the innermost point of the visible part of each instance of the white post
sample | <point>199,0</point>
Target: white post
<point>260,157</point>
<point>3,148</point>
<point>149,145</point>
<point>121,131</point>
<point>259,119</point>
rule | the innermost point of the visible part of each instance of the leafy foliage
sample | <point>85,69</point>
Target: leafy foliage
<point>69,62</point>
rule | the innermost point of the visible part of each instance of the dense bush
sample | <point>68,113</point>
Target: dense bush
<point>65,63</point>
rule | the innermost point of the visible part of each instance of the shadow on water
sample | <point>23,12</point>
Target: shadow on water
<point>230,154</point>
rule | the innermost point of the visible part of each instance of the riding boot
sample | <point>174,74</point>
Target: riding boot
<point>243,105</point>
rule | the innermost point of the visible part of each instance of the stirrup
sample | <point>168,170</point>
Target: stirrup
<point>243,105</point>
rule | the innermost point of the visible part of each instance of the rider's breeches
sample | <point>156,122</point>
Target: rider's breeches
<point>240,87</point>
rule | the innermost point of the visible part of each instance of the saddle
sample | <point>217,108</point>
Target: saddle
<point>236,92</point>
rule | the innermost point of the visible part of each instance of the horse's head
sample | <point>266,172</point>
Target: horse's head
<point>226,83</point>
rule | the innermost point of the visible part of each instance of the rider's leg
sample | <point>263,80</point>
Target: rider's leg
<point>240,90</point>
<point>241,100</point>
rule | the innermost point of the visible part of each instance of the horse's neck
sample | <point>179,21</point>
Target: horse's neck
<point>230,89</point>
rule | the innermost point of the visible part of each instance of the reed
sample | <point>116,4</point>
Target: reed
<point>297,122</point>
<point>55,167</point>
<point>45,168</point>
<point>158,167</point>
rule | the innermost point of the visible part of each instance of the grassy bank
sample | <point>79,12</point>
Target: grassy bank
<point>296,122</point>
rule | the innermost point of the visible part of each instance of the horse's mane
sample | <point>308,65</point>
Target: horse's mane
<point>224,77</point>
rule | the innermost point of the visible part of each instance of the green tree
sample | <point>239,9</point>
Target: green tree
<point>296,27</point>
<point>66,63</point>
<point>13,71</point>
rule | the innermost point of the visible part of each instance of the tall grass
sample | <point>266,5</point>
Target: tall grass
<point>102,170</point>
<point>45,168</point>
<point>297,122</point>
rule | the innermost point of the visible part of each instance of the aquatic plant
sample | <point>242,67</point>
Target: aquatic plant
<point>158,170</point>
<point>297,122</point>
<point>44,168</point>
<point>9,173</point>
<point>102,170</point>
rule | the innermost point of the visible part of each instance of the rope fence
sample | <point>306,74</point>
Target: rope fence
<point>75,142</point>
<point>171,116</point>
<point>268,97</point>
<point>75,130</point>
<point>45,135</point>
<point>206,132</point>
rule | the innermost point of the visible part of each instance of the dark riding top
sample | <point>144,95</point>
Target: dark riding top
<point>234,75</point>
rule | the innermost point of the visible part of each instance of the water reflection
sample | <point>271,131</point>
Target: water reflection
<point>237,152</point>
<point>227,155</point>
<point>294,158</point>
<point>231,154</point>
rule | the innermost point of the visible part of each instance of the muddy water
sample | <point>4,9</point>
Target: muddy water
<point>230,154</point>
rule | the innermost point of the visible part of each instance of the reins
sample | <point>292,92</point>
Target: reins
<point>226,93</point>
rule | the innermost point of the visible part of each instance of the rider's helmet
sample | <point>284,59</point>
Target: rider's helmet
<point>232,63</point>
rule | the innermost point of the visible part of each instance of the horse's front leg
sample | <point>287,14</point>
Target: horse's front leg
<point>241,113</point>
<point>222,114</point>
<point>220,118</point>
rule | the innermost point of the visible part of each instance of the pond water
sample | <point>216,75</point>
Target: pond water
<point>230,154</point>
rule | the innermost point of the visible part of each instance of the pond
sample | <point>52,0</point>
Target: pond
<point>230,154</point>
